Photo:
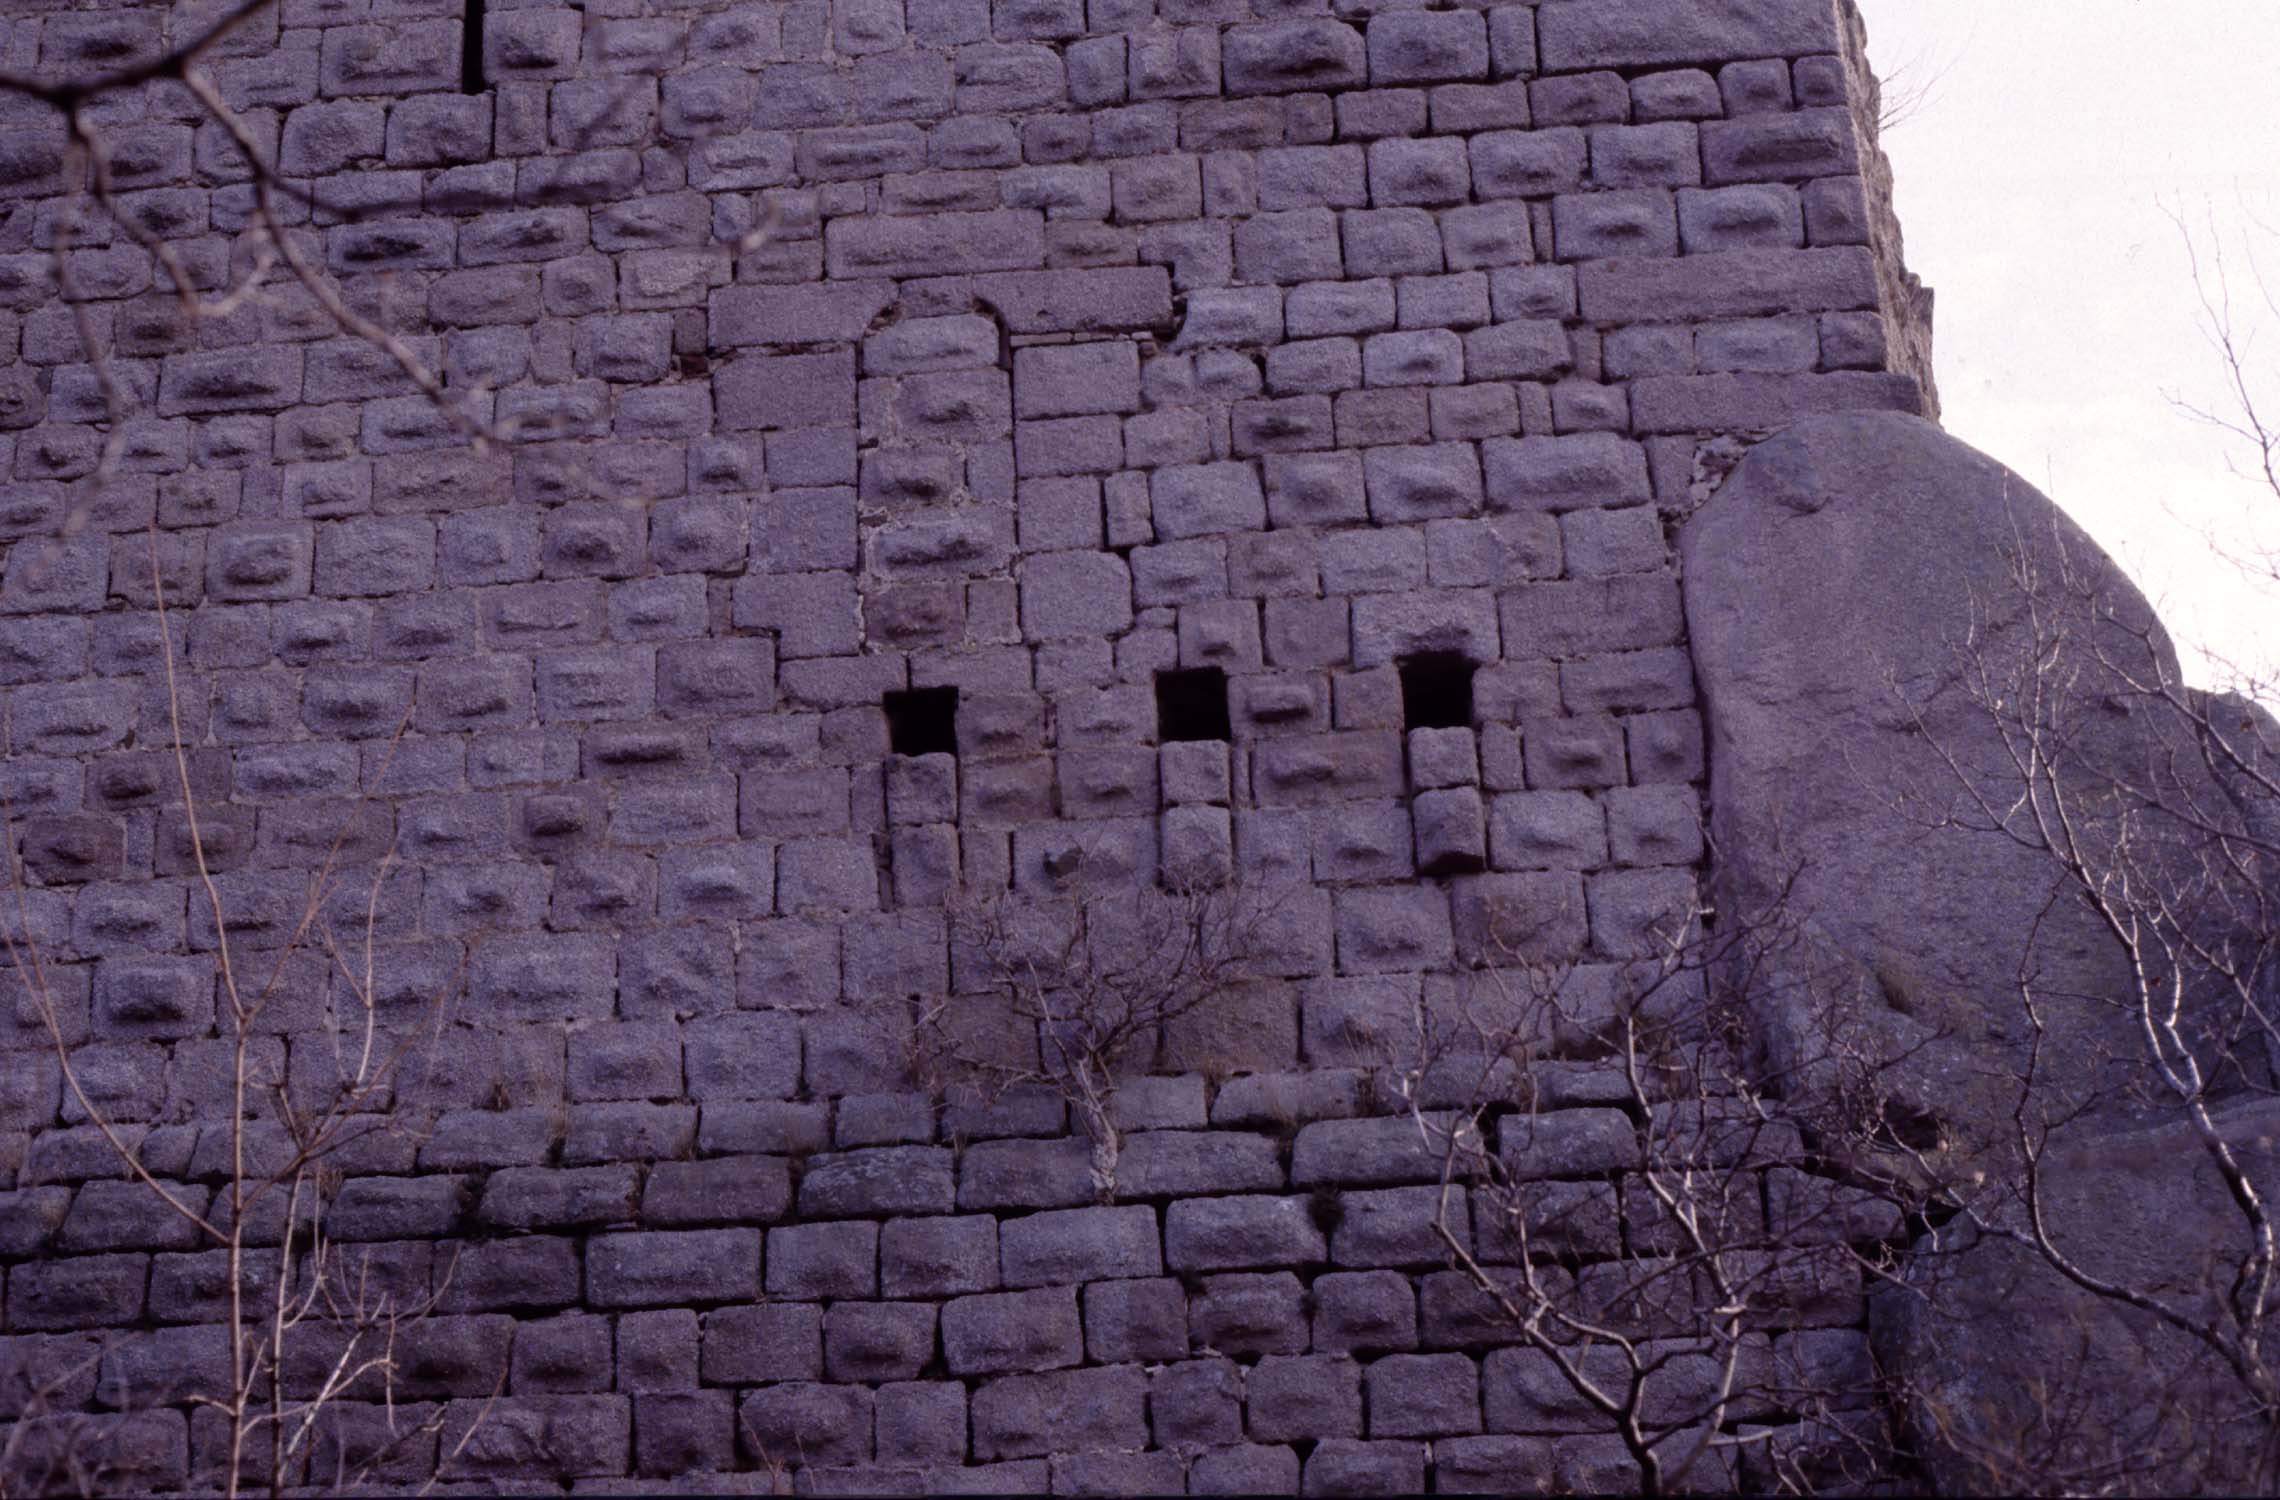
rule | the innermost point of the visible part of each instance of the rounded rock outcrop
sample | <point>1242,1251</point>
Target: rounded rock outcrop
<point>1973,830</point>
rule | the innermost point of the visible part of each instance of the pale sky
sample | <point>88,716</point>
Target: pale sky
<point>2032,181</point>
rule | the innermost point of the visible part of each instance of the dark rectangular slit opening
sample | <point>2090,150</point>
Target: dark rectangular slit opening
<point>471,48</point>
<point>1192,705</point>
<point>923,721</point>
<point>1436,691</point>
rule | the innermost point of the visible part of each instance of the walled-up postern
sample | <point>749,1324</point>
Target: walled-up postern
<point>946,455</point>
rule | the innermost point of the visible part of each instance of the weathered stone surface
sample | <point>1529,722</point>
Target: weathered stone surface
<point>1922,913</point>
<point>2140,1208</point>
<point>1079,1245</point>
<point>1899,875</point>
<point>952,459</point>
<point>1574,34</point>
<point>1210,1234</point>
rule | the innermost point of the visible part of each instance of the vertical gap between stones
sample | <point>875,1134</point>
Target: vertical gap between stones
<point>1436,691</point>
<point>1191,704</point>
<point>923,721</point>
<point>471,49</point>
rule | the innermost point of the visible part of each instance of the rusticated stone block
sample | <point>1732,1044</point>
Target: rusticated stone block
<point>802,1424</point>
<point>1246,1469</point>
<point>1025,1174</point>
<point>938,1256</point>
<point>1567,1143</point>
<point>657,1351</point>
<point>773,1341</point>
<point>1249,1313</point>
<point>744,1189</point>
<point>894,1180</point>
<point>811,1261</point>
<point>1079,1245</point>
<point>1364,1312</point>
<point>1424,1395</point>
<point>659,1268</point>
<point>1012,1331</point>
<point>1310,1396</point>
<point>683,1432</point>
<point>540,1198</point>
<point>82,1292</point>
<point>1346,1466</point>
<point>1023,1415</point>
<point>146,1451</point>
<point>1286,56</point>
<point>873,1342</point>
<point>1211,1234</point>
<point>1144,1321</point>
<point>566,1437</point>
<point>1399,1227</point>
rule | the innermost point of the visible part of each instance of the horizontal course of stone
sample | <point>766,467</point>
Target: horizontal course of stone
<point>1033,350</point>
<point>881,1299</point>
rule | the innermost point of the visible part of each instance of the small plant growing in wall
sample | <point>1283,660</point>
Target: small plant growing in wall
<point>1077,993</point>
<point>1673,1245</point>
<point>309,1331</point>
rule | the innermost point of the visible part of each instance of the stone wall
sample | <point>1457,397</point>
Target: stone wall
<point>1167,381</point>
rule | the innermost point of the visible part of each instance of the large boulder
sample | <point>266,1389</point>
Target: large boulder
<point>1923,684</point>
<point>2014,1378</point>
<point>1953,768</point>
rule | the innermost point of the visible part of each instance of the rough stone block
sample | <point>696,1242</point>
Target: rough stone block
<point>810,1261</point>
<point>1068,594</point>
<point>1491,1465</point>
<point>1249,1314</point>
<point>1424,1395</point>
<point>990,1334</point>
<point>1389,627</point>
<point>1451,831</point>
<point>658,1351</point>
<point>1246,1469</point>
<point>90,1291</point>
<point>921,1422</point>
<point>936,244</point>
<point>1567,1143</point>
<point>1305,1397</point>
<point>1754,217</point>
<point>1392,929</point>
<point>877,1341</point>
<point>894,1180</point>
<point>1636,913</point>
<point>785,391</point>
<point>1550,830</point>
<point>1427,47</point>
<point>1290,56</point>
<point>1341,1466</point>
<point>1135,1321</point>
<point>1206,499</point>
<point>1419,483</point>
<point>1520,918</point>
<point>1364,1312</point>
<point>1079,1245</point>
<point>1576,35</point>
<point>939,1256</point>
<point>1658,825</point>
<point>803,1424</point>
<point>1732,284</point>
<point>1178,1162</point>
<point>1075,379</point>
<point>1780,147</point>
<point>684,1432</point>
<point>1021,1416</point>
<point>1528,164</point>
<point>771,1341</point>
